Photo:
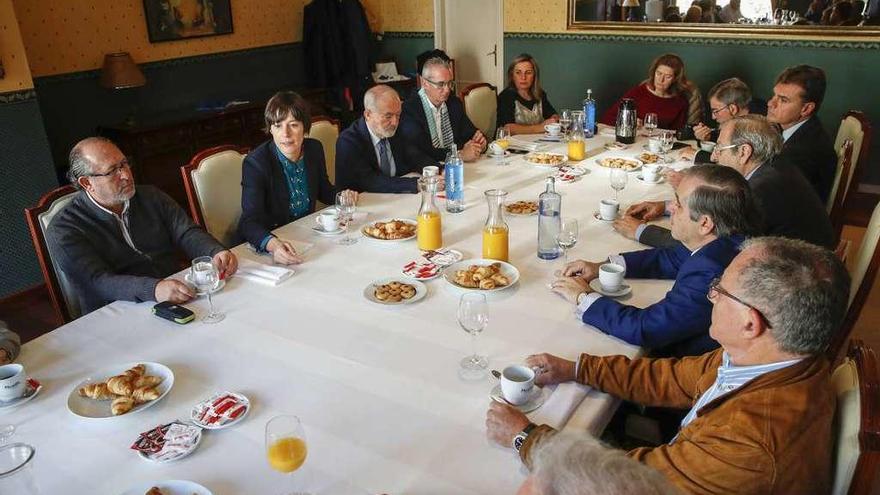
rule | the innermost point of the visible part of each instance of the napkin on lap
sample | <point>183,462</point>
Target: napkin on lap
<point>264,274</point>
<point>560,405</point>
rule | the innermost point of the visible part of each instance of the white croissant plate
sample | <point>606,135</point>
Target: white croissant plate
<point>100,409</point>
<point>169,487</point>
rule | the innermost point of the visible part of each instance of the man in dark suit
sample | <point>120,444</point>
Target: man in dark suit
<point>712,211</point>
<point>788,204</point>
<point>434,119</point>
<point>797,96</point>
<point>370,156</point>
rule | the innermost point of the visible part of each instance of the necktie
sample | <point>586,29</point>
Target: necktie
<point>384,162</point>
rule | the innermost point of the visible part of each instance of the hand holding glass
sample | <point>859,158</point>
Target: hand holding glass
<point>205,276</point>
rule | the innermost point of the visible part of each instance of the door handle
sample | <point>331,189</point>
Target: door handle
<point>494,54</point>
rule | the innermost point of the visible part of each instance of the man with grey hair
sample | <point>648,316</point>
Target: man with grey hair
<point>434,119</point>
<point>728,99</point>
<point>117,241</point>
<point>370,156</point>
<point>712,211</point>
<point>577,464</point>
<point>788,203</point>
<point>761,406</point>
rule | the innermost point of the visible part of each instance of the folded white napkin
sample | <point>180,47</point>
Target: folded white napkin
<point>264,274</point>
<point>561,404</point>
<point>523,145</point>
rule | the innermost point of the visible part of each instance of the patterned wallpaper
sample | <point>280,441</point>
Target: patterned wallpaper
<point>68,36</point>
<point>535,16</point>
<point>12,54</point>
<point>408,15</point>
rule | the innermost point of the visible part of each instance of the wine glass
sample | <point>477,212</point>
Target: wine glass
<point>286,448</point>
<point>567,237</point>
<point>667,140</point>
<point>502,139</point>
<point>618,178</point>
<point>346,205</point>
<point>650,123</point>
<point>473,316</point>
<point>565,122</point>
<point>6,432</point>
<point>205,277</point>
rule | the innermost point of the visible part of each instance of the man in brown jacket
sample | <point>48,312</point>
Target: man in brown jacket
<point>761,406</point>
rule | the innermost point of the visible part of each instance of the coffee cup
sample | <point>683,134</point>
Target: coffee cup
<point>553,129</point>
<point>611,277</point>
<point>12,382</point>
<point>707,146</point>
<point>328,220</point>
<point>654,144</point>
<point>650,172</point>
<point>517,382</point>
<point>430,171</point>
<point>608,209</point>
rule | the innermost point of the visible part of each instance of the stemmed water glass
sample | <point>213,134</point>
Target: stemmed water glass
<point>567,238</point>
<point>473,316</point>
<point>286,448</point>
<point>346,205</point>
<point>650,123</point>
<point>502,139</point>
<point>205,277</point>
<point>565,122</point>
<point>618,178</point>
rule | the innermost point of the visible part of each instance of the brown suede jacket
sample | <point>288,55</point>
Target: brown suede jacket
<point>770,436</point>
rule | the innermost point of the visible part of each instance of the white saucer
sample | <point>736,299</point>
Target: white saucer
<point>29,393</point>
<point>599,218</point>
<point>615,146</point>
<point>550,137</point>
<point>536,400</point>
<point>179,456</point>
<point>597,287</point>
<point>499,155</point>
<point>659,180</point>
<point>193,414</point>
<point>320,230</point>
<point>220,285</point>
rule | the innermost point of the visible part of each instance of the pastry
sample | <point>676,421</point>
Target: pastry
<point>120,385</point>
<point>394,292</point>
<point>545,158</point>
<point>127,389</point>
<point>154,491</point>
<point>393,230</point>
<point>619,163</point>
<point>97,391</point>
<point>522,207</point>
<point>144,394</point>
<point>649,157</point>
<point>147,381</point>
<point>121,405</point>
<point>485,277</point>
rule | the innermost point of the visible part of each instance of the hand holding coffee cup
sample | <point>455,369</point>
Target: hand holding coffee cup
<point>611,277</point>
<point>517,382</point>
<point>328,220</point>
<point>12,382</point>
<point>608,209</point>
<point>553,129</point>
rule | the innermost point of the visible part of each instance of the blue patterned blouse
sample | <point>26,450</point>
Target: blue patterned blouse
<point>295,173</point>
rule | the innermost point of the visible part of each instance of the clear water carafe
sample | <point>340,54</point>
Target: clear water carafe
<point>549,217</point>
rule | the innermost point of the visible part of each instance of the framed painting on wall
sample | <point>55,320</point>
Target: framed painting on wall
<point>170,20</point>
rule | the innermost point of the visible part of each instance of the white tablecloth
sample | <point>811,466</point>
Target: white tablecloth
<point>376,388</point>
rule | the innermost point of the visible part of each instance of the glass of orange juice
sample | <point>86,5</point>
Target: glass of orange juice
<point>285,443</point>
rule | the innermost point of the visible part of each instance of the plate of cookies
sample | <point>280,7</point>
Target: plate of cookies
<point>395,291</point>
<point>522,208</point>
<point>628,164</point>
<point>546,159</point>
<point>390,230</point>
<point>120,389</point>
<point>481,274</point>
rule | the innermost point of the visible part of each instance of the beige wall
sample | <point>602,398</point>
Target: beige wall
<point>408,15</point>
<point>520,16</point>
<point>12,53</point>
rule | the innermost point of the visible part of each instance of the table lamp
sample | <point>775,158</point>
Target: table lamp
<point>632,6</point>
<point>120,72</point>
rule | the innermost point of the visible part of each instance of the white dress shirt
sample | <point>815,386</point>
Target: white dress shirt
<point>787,133</point>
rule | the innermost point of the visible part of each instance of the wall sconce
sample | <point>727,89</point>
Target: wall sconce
<point>632,6</point>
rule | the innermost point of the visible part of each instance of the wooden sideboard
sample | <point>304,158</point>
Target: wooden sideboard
<point>159,145</point>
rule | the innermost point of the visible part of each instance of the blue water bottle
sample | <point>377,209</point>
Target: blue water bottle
<point>589,115</point>
<point>454,174</point>
<point>549,221</point>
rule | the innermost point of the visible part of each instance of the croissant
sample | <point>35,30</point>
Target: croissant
<point>144,394</point>
<point>135,371</point>
<point>487,284</point>
<point>146,381</point>
<point>121,405</point>
<point>120,385</point>
<point>98,391</point>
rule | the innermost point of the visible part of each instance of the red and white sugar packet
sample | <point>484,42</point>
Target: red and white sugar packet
<point>220,410</point>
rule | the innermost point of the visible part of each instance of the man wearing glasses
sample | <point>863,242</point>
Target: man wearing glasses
<point>434,119</point>
<point>761,406</point>
<point>727,99</point>
<point>117,241</point>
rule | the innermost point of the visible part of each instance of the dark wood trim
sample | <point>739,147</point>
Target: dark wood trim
<point>23,295</point>
<point>868,464</point>
<point>195,208</point>
<point>42,250</point>
<point>836,213</point>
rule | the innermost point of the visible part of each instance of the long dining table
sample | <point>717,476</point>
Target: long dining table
<point>377,388</point>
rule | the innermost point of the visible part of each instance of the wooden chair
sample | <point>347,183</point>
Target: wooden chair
<point>212,181</point>
<point>839,187</point>
<point>481,106</point>
<point>863,273</point>
<point>857,422</point>
<point>326,130</point>
<point>854,127</point>
<point>61,291</point>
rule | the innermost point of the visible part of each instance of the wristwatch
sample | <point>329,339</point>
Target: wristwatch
<point>520,437</point>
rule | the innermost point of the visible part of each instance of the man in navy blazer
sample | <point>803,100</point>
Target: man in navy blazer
<point>712,211</point>
<point>434,119</point>
<point>370,156</point>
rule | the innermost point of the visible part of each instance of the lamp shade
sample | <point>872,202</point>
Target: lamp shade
<point>120,72</point>
<point>630,3</point>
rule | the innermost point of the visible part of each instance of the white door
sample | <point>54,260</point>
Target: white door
<point>472,33</point>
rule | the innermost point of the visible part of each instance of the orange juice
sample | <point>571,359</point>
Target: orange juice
<point>429,231</point>
<point>504,143</point>
<point>495,241</point>
<point>287,454</point>
<point>576,150</point>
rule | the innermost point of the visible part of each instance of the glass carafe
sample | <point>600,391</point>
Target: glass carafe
<point>429,231</point>
<point>577,141</point>
<point>495,232</point>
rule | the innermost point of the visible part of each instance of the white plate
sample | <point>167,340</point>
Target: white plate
<point>638,162</point>
<point>169,487</point>
<point>386,220</point>
<point>536,399</point>
<point>575,171</point>
<point>498,155</point>
<point>443,257</point>
<point>421,291</point>
<point>29,393</point>
<point>660,158</point>
<point>100,409</point>
<point>218,287</point>
<point>421,270</point>
<point>599,217</point>
<point>597,287</point>
<point>320,230</point>
<point>507,270</point>
<point>553,138</point>
<point>193,413</point>
<point>528,158</point>
<point>659,180</point>
<point>615,146</point>
<point>179,456</point>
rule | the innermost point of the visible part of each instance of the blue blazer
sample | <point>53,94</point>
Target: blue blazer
<point>265,196</point>
<point>414,126</point>
<point>357,167</point>
<point>678,325</point>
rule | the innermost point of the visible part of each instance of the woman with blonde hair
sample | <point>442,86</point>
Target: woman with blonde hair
<point>523,107</point>
<point>665,92</point>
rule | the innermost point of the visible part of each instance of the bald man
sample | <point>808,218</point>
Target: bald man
<point>370,157</point>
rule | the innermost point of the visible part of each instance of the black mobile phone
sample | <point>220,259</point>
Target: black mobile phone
<point>679,145</point>
<point>173,312</point>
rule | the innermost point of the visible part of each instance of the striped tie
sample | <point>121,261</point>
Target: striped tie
<point>446,125</point>
<point>384,162</point>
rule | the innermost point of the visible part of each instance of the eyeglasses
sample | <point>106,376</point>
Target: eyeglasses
<point>116,170</point>
<point>716,111</point>
<point>715,289</point>
<point>719,149</point>
<point>441,84</point>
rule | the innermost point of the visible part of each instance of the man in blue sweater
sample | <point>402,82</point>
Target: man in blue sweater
<point>712,211</point>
